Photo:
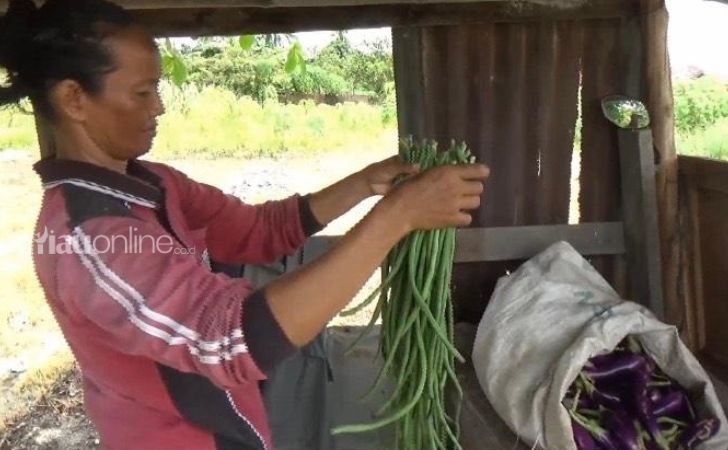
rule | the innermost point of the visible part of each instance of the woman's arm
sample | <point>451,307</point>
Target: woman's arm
<point>304,301</point>
<point>166,306</point>
<point>237,232</point>
<point>340,197</point>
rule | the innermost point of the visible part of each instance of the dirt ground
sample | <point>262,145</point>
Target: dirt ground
<point>56,422</point>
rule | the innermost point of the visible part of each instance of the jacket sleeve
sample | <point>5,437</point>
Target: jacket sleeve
<point>153,300</point>
<point>237,232</point>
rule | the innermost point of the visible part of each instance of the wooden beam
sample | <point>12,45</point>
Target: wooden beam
<point>702,184</point>
<point>513,243</point>
<point>277,4</point>
<point>234,17</point>
<point>705,173</point>
<point>639,207</point>
<point>657,84</point>
<point>408,80</point>
<point>235,21</point>
<point>155,4</point>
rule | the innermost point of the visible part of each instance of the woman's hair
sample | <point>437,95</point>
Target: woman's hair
<point>61,40</point>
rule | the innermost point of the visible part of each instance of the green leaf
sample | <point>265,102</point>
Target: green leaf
<point>167,65</point>
<point>301,62</point>
<point>291,61</point>
<point>295,59</point>
<point>247,41</point>
<point>169,47</point>
<point>179,71</point>
<point>173,64</point>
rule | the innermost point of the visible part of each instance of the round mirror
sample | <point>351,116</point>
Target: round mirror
<point>626,112</point>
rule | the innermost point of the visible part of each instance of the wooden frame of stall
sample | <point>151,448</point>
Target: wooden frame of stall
<point>508,77</point>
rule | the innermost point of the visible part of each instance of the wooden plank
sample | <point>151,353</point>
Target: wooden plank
<point>153,4</point>
<point>558,43</point>
<point>713,216</point>
<point>705,173</point>
<point>689,259</point>
<point>697,312</point>
<point>599,198</point>
<point>234,17</point>
<point>639,208</point>
<point>699,179</point>
<point>235,21</point>
<point>170,4</point>
<point>408,80</point>
<point>657,84</point>
<point>513,243</point>
<point>716,369</point>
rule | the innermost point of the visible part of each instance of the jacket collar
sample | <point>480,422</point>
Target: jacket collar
<point>140,185</point>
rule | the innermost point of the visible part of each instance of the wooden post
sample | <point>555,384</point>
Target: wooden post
<point>658,93</point>
<point>408,78</point>
<point>641,231</point>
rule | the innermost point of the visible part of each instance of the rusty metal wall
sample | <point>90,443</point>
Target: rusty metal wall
<point>510,90</point>
<point>600,193</point>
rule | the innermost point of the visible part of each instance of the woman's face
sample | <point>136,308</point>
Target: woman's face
<point>122,118</point>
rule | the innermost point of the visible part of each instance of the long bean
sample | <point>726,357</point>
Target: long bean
<point>417,337</point>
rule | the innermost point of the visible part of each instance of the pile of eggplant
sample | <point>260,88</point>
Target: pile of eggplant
<point>623,401</point>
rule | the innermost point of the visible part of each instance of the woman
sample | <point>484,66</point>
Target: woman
<point>171,353</point>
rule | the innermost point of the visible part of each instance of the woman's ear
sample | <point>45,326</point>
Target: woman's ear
<point>69,100</point>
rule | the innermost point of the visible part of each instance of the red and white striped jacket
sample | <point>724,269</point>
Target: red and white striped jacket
<point>171,353</point>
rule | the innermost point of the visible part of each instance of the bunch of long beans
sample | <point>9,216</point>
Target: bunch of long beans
<point>414,302</point>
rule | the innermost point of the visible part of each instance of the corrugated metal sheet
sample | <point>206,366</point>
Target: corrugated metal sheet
<point>600,193</point>
<point>511,91</point>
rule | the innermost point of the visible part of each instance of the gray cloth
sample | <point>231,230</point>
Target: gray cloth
<point>296,399</point>
<point>319,388</point>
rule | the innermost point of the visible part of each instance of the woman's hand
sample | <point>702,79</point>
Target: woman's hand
<point>440,197</point>
<point>379,177</point>
<point>436,198</point>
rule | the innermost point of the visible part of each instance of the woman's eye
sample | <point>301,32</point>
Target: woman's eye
<point>144,94</point>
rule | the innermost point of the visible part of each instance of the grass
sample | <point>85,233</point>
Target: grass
<point>17,128</point>
<point>711,142</point>
<point>211,122</point>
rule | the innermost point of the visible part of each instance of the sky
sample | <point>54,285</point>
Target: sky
<point>697,36</point>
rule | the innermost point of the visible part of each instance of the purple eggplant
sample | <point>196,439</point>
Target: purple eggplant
<point>615,367</point>
<point>655,394</point>
<point>699,433</point>
<point>622,400</point>
<point>622,431</point>
<point>644,411</point>
<point>582,438</point>
<point>674,404</point>
<point>606,399</point>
